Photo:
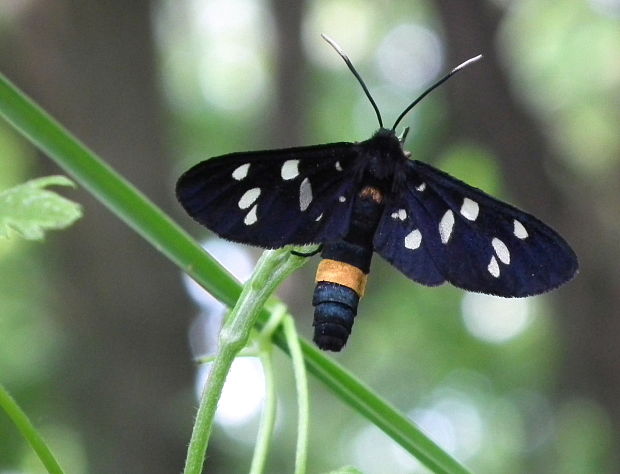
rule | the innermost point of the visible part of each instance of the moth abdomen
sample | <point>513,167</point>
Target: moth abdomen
<point>334,314</point>
<point>337,293</point>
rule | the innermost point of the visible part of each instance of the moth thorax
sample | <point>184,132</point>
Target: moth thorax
<point>336,296</point>
<point>373,193</point>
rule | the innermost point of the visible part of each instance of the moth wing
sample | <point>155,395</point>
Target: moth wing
<point>276,197</point>
<point>404,237</point>
<point>473,240</point>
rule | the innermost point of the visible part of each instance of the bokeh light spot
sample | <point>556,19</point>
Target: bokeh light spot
<point>327,18</point>
<point>495,319</point>
<point>410,57</point>
<point>243,392</point>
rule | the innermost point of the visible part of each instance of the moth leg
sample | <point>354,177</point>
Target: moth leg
<point>308,254</point>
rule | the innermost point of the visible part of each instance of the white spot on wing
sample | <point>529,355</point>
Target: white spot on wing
<point>413,239</point>
<point>305,194</point>
<point>290,169</point>
<point>251,218</point>
<point>493,267</point>
<point>400,214</point>
<point>470,209</point>
<point>421,187</point>
<point>445,226</point>
<point>319,218</point>
<point>520,231</point>
<point>338,166</point>
<point>248,198</point>
<point>342,199</point>
<point>501,250</point>
<point>241,172</point>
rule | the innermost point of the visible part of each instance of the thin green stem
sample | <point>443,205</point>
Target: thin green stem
<point>17,415</point>
<point>211,393</point>
<point>268,417</point>
<point>277,312</point>
<point>272,268</point>
<point>301,385</point>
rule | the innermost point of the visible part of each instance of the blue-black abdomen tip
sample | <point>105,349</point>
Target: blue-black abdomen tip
<point>334,313</point>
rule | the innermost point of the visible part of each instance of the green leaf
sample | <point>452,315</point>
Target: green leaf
<point>29,209</point>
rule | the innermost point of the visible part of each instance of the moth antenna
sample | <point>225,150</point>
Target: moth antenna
<point>434,86</point>
<point>349,64</point>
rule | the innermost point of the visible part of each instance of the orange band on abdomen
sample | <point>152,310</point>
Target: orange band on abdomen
<point>342,273</point>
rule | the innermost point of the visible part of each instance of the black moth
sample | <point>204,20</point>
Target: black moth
<point>360,198</point>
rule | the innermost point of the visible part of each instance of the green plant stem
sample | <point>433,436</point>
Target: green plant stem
<point>165,235</point>
<point>272,268</point>
<point>301,385</point>
<point>268,416</point>
<point>12,409</point>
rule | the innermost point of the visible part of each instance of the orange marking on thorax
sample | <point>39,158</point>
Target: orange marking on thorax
<point>373,193</point>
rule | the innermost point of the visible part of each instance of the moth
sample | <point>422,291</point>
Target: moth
<point>359,198</point>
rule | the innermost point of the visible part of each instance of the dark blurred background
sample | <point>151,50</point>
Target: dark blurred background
<point>94,322</point>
